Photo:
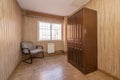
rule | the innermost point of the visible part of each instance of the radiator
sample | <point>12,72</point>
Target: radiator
<point>51,47</point>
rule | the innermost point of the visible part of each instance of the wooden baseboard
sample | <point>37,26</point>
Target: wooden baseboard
<point>108,74</point>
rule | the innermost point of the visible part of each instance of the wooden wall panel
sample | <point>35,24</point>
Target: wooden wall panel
<point>32,13</point>
<point>108,35</point>
<point>30,33</point>
<point>10,37</point>
<point>1,49</point>
<point>65,33</point>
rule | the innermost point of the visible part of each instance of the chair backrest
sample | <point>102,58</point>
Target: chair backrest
<point>28,44</point>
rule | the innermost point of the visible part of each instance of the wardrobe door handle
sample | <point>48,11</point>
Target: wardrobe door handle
<point>81,43</point>
<point>81,49</point>
<point>85,31</point>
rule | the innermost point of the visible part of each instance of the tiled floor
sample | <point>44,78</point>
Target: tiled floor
<point>53,68</point>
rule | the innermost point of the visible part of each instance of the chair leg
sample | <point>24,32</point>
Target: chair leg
<point>30,58</point>
<point>42,54</point>
<point>27,61</point>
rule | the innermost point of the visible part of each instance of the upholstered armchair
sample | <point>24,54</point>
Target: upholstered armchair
<point>29,48</point>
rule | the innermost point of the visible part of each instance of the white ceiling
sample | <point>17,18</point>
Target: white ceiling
<point>55,7</point>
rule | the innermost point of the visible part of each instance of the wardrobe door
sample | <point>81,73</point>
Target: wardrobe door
<point>76,39</point>
<point>90,39</point>
<point>79,22</point>
<point>73,39</point>
<point>70,40</point>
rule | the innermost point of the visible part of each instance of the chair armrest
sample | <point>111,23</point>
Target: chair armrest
<point>26,49</point>
<point>39,46</point>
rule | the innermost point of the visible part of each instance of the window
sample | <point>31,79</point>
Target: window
<point>50,31</point>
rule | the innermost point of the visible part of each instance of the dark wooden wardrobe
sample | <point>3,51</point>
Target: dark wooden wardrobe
<point>82,40</point>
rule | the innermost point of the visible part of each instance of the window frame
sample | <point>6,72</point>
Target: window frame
<point>50,24</point>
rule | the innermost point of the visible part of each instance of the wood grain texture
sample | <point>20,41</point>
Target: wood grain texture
<point>49,68</point>
<point>82,43</point>
<point>98,75</point>
<point>108,35</point>
<point>65,33</point>
<point>54,68</point>
<point>10,37</point>
<point>32,13</point>
<point>30,32</point>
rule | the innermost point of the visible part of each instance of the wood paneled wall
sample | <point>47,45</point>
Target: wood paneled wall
<point>65,33</point>
<point>10,37</point>
<point>30,33</point>
<point>32,13</point>
<point>108,35</point>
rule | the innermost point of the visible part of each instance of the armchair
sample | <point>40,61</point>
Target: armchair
<point>29,48</point>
